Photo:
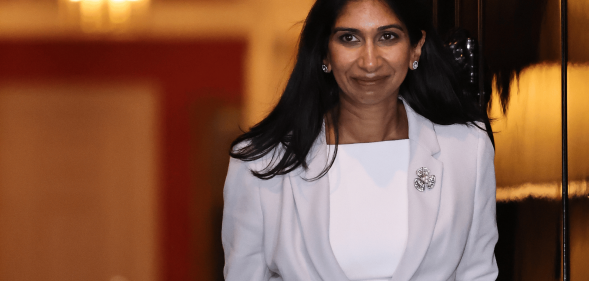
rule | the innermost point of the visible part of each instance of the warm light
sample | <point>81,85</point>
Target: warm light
<point>107,15</point>
<point>528,137</point>
<point>119,11</point>
<point>541,191</point>
<point>91,16</point>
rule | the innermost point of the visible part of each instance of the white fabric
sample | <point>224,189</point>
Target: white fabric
<point>278,229</point>
<point>369,208</point>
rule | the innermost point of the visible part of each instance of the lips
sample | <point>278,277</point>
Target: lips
<point>364,81</point>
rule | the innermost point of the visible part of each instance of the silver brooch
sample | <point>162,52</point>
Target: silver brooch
<point>424,179</point>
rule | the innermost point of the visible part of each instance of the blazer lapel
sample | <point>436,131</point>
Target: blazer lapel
<point>312,202</point>
<point>423,205</point>
<point>312,205</point>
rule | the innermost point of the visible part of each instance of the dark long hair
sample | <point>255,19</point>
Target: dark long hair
<point>289,131</point>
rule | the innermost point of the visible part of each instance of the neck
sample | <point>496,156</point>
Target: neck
<point>362,123</point>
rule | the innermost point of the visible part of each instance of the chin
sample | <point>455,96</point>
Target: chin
<point>372,98</point>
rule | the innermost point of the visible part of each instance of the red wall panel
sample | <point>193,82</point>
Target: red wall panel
<point>185,70</point>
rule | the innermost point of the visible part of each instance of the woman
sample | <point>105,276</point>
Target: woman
<point>411,193</point>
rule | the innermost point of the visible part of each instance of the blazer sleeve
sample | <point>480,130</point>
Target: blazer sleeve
<point>242,227</point>
<point>478,261</point>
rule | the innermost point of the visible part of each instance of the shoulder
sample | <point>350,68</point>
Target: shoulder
<point>264,162</point>
<point>460,130</point>
<point>464,142</point>
<point>462,134</point>
<point>242,185</point>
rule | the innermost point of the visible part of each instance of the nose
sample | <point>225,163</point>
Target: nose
<point>369,59</point>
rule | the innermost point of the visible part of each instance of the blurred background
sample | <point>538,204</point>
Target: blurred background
<point>116,118</point>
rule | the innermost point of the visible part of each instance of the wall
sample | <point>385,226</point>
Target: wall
<point>167,72</point>
<point>208,66</point>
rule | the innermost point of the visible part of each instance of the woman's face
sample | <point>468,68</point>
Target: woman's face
<point>369,52</point>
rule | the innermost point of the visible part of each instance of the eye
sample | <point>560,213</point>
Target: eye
<point>349,38</point>
<point>388,36</point>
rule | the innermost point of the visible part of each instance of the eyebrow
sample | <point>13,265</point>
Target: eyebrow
<point>397,26</point>
<point>348,29</point>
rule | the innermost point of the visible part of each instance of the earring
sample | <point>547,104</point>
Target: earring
<point>415,65</point>
<point>325,69</point>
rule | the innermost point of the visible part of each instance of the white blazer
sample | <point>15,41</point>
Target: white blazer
<point>278,229</point>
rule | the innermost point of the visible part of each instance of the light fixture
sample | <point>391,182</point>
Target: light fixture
<point>100,16</point>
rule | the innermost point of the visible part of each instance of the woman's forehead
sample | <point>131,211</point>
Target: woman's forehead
<point>366,14</point>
